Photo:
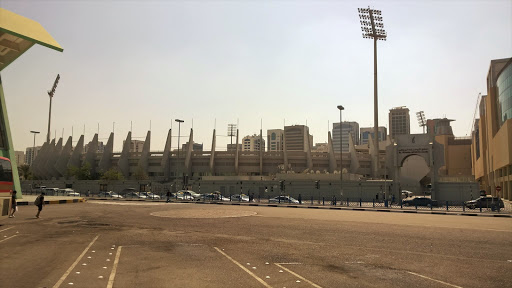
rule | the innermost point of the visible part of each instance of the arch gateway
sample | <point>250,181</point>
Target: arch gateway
<point>422,145</point>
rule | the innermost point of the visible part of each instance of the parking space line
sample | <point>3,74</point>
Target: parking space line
<point>114,268</point>
<point>74,264</point>
<point>6,229</point>
<point>245,269</point>
<point>8,238</point>
<point>296,275</point>
<point>422,276</point>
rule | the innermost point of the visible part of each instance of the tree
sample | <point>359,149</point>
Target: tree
<point>112,174</point>
<point>140,174</point>
<point>24,171</point>
<point>82,173</point>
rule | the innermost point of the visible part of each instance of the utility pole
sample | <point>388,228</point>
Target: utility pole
<point>373,28</point>
<point>50,94</point>
<point>33,147</point>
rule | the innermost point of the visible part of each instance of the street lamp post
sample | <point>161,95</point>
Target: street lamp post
<point>179,133</point>
<point>373,28</point>
<point>341,108</point>
<point>34,147</point>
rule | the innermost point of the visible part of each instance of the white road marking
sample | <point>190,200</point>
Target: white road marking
<point>74,264</point>
<point>439,281</point>
<point>8,238</point>
<point>114,268</point>
<point>296,275</point>
<point>7,229</point>
<point>245,269</point>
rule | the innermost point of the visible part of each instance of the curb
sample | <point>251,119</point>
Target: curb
<point>325,208</point>
<point>63,201</point>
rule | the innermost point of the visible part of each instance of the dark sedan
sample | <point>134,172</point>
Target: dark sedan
<point>420,201</point>
<point>485,202</point>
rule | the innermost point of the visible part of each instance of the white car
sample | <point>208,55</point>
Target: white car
<point>188,195</point>
<point>150,195</point>
<point>69,192</point>
<point>283,199</point>
<point>135,195</point>
<point>240,198</point>
<point>110,194</point>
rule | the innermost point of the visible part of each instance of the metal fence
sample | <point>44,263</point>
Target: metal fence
<point>451,206</point>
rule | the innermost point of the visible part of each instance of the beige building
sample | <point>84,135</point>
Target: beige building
<point>20,157</point>
<point>253,143</point>
<point>31,153</point>
<point>275,138</point>
<point>491,147</point>
<point>399,121</point>
<point>296,138</point>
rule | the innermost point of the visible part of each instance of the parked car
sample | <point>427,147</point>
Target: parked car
<point>150,195</point>
<point>68,192</point>
<point>406,194</point>
<point>135,195</point>
<point>240,198</point>
<point>188,195</point>
<point>51,191</point>
<point>283,199</point>
<point>110,194</point>
<point>485,202</point>
<point>420,201</point>
<point>214,196</point>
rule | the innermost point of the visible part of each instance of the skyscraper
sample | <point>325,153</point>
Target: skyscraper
<point>399,121</point>
<point>347,128</point>
<point>295,137</point>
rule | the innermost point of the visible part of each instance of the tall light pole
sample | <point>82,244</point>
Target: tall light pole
<point>341,108</point>
<point>373,28</point>
<point>50,94</point>
<point>179,133</point>
<point>34,147</point>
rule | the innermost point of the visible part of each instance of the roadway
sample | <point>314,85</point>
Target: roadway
<point>137,244</point>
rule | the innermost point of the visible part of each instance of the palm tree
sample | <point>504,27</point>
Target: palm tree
<point>24,171</point>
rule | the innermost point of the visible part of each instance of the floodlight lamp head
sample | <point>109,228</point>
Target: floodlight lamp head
<point>340,107</point>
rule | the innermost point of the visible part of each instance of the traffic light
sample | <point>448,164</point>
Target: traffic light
<point>317,184</point>
<point>281,183</point>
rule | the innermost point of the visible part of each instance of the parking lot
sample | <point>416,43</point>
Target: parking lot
<point>153,244</point>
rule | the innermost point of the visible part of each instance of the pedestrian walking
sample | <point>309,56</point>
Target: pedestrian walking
<point>39,203</point>
<point>168,196</point>
<point>14,205</point>
<point>300,199</point>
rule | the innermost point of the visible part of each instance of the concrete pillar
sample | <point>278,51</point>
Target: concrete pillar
<point>212,156</point>
<point>188,156</point>
<point>44,161</point>
<point>330,149</point>
<point>106,157</point>
<point>308,150</point>
<point>90,156</point>
<point>261,151</point>
<point>166,162</point>
<point>76,156</point>
<point>144,157</point>
<point>49,160</point>
<point>50,164</point>
<point>354,161</point>
<point>123,163</point>
<point>236,153</point>
<point>61,164</point>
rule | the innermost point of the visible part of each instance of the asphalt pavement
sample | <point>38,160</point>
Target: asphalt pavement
<point>138,244</point>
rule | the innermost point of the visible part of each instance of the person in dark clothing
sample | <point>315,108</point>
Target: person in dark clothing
<point>13,204</point>
<point>39,203</point>
<point>168,196</point>
<point>300,199</point>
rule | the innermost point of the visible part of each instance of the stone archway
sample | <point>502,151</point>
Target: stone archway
<point>406,146</point>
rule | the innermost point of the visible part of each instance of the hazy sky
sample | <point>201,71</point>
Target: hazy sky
<point>230,61</point>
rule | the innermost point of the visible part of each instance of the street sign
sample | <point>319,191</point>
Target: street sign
<point>498,188</point>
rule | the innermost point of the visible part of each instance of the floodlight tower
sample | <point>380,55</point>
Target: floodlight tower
<point>421,120</point>
<point>373,28</point>
<point>50,94</point>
